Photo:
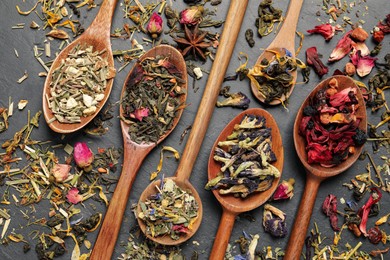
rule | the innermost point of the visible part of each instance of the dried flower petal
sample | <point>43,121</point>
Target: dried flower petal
<point>329,207</point>
<point>313,59</point>
<point>73,196</point>
<point>378,35</point>
<point>192,15</point>
<point>155,25</point>
<point>326,30</point>
<point>274,221</point>
<point>61,172</point>
<point>343,47</point>
<point>82,155</point>
<point>365,209</point>
<point>364,64</point>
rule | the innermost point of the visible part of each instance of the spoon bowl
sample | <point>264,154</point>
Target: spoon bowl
<point>184,185</point>
<point>134,155</point>
<point>231,205</point>
<point>315,172</point>
<point>285,39</point>
<point>98,36</point>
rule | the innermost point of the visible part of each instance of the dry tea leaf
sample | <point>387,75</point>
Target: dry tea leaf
<point>58,34</point>
<point>22,104</point>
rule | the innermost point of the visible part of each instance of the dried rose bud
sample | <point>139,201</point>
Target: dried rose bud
<point>313,59</point>
<point>350,69</point>
<point>60,172</point>
<point>343,47</point>
<point>192,15</point>
<point>285,190</point>
<point>378,35</point>
<point>359,34</point>
<point>364,64</point>
<point>83,156</point>
<point>140,113</point>
<point>326,30</point>
<point>73,196</point>
<point>155,25</point>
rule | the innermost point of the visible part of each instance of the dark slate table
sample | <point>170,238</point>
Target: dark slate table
<point>12,68</point>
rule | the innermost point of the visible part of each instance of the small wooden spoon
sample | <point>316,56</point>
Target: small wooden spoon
<point>229,35</point>
<point>134,154</point>
<point>285,39</point>
<point>316,173</point>
<point>231,205</point>
<point>98,36</point>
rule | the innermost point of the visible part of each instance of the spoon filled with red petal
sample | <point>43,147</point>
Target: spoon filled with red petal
<point>329,133</point>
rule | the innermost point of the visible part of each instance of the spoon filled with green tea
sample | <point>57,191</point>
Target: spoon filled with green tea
<point>183,226</point>
<point>80,78</point>
<point>329,133</point>
<point>244,169</point>
<point>274,74</point>
<point>152,102</point>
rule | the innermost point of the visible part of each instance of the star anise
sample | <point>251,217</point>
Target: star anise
<point>193,43</point>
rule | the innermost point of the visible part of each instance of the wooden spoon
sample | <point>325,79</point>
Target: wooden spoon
<point>285,39</point>
<point>316,173</point>
<point>229,35</point>
<point>98,36</point>
<point>231,205</point>
<point>134,154</point>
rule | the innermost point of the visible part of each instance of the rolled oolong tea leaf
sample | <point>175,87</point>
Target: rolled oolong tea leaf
<point>78,84</point>
<point>246,159</point>
<point>171,211</point>
<point>152,99</point>
<point>273,77</point>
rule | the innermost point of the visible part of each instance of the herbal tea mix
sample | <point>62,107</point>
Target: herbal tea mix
<point>152,98</point>
<point>78,84</point>
<point>55,188</point>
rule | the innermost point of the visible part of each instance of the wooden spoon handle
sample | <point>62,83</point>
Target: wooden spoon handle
<point>101,25</point>
<point>223,235</point>
<point>108,234</point>
<point>302,219</point>
<point>286,35</point>
<point>228,40</point>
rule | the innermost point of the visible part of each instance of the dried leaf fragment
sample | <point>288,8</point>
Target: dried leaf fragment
<point>58,34</point>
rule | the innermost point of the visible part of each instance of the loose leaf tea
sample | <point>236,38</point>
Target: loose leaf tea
<point>330,125</point>
<point>152,99</point>
<point>246,158</point>
<point>268,16</point>
<point>78,84</point>
<point>273,77</point>
<point>171,211</point>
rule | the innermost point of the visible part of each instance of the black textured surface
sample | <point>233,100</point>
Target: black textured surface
<point>12,68</point>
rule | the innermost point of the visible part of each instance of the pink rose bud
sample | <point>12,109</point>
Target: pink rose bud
<point>61,172</point>
<point>140,113</point>
<point>83,156</point>
<point>73,196</point>
<point>285,190</point>
<point>192,15</point>
<point>343,47</point>
<point>155,25</point>
<point>326,30</point>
